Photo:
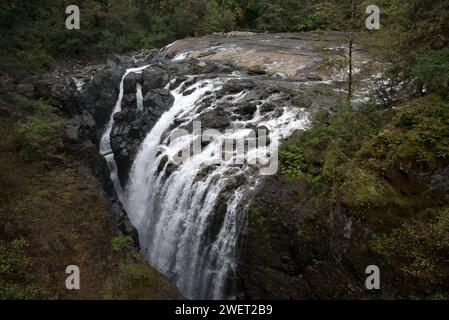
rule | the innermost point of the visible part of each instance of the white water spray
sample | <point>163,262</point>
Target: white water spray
<point>190,216</point>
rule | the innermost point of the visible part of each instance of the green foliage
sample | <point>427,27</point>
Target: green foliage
<point>343,15</point>
<point>322,152</point>
<point>19,278</point>
<point>349,153</point>
<point>419,250</point>
<point>412,43</point>
<point>216,20</point>
<point>364,189</point>
<point>433,68</point>
<point>121,242</point>
<point>426,134</point>
<point>46,194</point>
<point>290,15</point>
<point>37,137</point>
<point>55,215</point>
<point>135,279</point>
<point>34,32</point>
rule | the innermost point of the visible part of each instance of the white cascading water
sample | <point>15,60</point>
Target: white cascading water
<point>105,143</point>
<point>174,207</point>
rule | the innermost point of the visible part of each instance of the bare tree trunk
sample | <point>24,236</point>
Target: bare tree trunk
<point>350,71</point>
<point>351,48</point>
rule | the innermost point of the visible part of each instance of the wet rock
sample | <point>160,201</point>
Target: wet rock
<point>262,130</point>
<point>130,83</point>
<point>80,128</point>
<point>196,67</point>
<point>248,109</point>
<point>217,218</point>
<point>267,107</point>
<point>301,101</point>
<point>132,125</point>
<point>162,163</point>
<point>205,171</point>
<point>120,61</point>
<point>256,70</point>
<point>177,82</point>
<point>171,168</point>
<point>26,90</point>
<point>129,101</point>
<point>100,95</point>
<point>256,95</point>
<point>61,93</point>
<point>313,77</point>
<point>157,101</point>
<point>281,75</point>
<point>154,77</point>
<point>278,112</point>
<point>263,136</point>
<point>238,85</point>
<point>122,223</point>
<point>189,92</point>
<point>218,118</point>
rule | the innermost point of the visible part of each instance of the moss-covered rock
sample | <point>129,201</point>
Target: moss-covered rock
<point>369,188</point>
<point>54,213</point>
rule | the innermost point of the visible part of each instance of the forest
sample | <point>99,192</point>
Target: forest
<point>33,33</point>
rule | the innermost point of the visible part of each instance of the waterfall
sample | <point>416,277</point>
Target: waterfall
<point>105,142</point>
<point>190,215</point>
<point>172,214</point>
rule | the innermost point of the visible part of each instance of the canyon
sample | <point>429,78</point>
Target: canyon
<point>216,227</point>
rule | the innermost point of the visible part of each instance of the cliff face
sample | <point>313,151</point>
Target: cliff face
<point>57,205</point>
<point>371,192</point>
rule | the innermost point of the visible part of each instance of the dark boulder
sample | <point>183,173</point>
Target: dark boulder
<point>197,67</point>
<point>154,77</point>
<point>120,61</point>
<point>158,101</point>
<point>248,109</point>
<point>267,107</point>
<point>130,83</point>
<point>301,101</point>
<point>217,118</point>
<point>61,93</point>
<point>313,77</point>
<point>132,125</point>
<point>238,85</point>
<point>256,70</point>
<point>80,128</point>
<point>101,94</point>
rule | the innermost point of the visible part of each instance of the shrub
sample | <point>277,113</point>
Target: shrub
<point>19,277</point>
<point>121,242</point>
<point>433,68</point>
<point>418,250</point>
<point>38,136</point>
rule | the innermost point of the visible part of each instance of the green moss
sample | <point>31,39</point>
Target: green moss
<point>330,143</point>
<point>137,280</point>
<point>374,161</point>
<point>363,189</point>
<point>418,250</point>
<point>38,136</point>
<point>54,214</point>
<point>121,242</point>
<point>45,194</point>
<point>258,223</point>
<point>20,277</point>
